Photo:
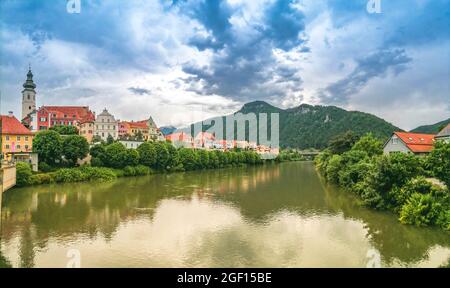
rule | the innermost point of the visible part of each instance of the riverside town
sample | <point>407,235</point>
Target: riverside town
<point>229,134</point>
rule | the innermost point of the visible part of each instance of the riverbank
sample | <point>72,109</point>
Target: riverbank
<point>415,188</point>
<point>101,174</point>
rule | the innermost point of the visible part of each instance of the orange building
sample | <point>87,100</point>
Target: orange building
<point>17,140</point>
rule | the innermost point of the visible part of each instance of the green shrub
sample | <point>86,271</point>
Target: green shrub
<point>419,210</point>
<point>44,167</point>
<point>68,175</point>
<point>23,174</point>
<point>44,178</point>
<point>96,162</point>
<point>398,196</point>
<point>142,170</point>
<point>333,168</point>
<point>97,173</point>
<point>439,161</point>
<point>129,171</point>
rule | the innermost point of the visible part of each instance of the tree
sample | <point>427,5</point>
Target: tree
<point>97,139</point>
<point>48,146</point>
<point>333,168</point>
<point>439,161</point>
<point>147,154</point>
<point>188,158</point>
<point>75,147</point>
<point>203,158</point>
<point>342,143</point>
<point>131,158</point>
<point>65,130</point>
<point>162,156</point>
<point>115,155</point>
<point>173,161</point>
<point>23,174</point>
<point>369,144</point>
<point>109,140</point>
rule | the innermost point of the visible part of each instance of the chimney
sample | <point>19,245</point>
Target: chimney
<point>10,114</point>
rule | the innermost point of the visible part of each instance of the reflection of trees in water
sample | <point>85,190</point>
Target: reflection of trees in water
<point>37,214</point>
<point>393,240</point>
<point>4,263</point>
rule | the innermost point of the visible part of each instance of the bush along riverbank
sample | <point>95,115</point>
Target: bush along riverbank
<point>415,188</point>
<point>58,157</point>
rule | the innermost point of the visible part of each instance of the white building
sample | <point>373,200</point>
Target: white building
<point>105,124</point>
<point>444,135</point>
<point>131,144</point>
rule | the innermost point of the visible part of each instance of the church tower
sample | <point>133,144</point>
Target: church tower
<point>28,95</point>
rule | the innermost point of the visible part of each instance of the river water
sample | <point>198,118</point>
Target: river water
<point>269,216</point>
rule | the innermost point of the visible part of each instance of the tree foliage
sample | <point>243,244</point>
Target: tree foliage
<point>65,130</point>
<point>48,145</point>
<point>75,147</point>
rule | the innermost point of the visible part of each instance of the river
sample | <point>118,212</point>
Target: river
<point>269,216</point>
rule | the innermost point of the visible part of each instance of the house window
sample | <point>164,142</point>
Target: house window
<point>7,137</point>
<point>6,146</point>
<point>43,119</point>
<point>18,146</point>
<point>18,138</point>
<point>26,138</point>
<point>54,115</point>
<point>28,96</point>
<point>395,141</point>
<point>26,147</point>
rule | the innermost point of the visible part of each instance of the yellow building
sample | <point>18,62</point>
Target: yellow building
<point>17,140</point>
<point>86,129</point>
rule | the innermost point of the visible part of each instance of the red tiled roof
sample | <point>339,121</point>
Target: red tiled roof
<point>81,113</point>
<point>139,124</point>
<point>12,126</point>
<point>417,143</point>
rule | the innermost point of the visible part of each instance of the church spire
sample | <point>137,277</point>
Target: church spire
<point>29,83</point>
<point>28,94</point>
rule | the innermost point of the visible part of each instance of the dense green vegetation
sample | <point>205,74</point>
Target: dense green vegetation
<point>59,156</point>
<point>396,182</point>
<point>433,128</point>
<point>65,130</point>
<point>308,126</point>
<point>289,155</point>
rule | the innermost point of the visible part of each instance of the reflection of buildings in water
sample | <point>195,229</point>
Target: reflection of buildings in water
<point>248,180</point>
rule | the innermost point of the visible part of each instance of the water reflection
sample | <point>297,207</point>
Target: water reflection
<point>276,215</point>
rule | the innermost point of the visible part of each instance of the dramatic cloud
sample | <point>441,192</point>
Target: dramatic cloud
<point>375,65</point>
<point>186,60</point>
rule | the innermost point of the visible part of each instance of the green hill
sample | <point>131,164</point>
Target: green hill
<point>308,126</point>
<point>432,129</point>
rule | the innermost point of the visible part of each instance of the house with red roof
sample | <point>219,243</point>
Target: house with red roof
<point>17,141</point>
<point>406,142</point>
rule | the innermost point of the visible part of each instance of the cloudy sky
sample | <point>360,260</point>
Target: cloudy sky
<point>187,60</point>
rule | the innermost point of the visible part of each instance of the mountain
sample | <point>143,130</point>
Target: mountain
<point>308,126</point>
<point>433,128</point>
<point>167,130</point>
